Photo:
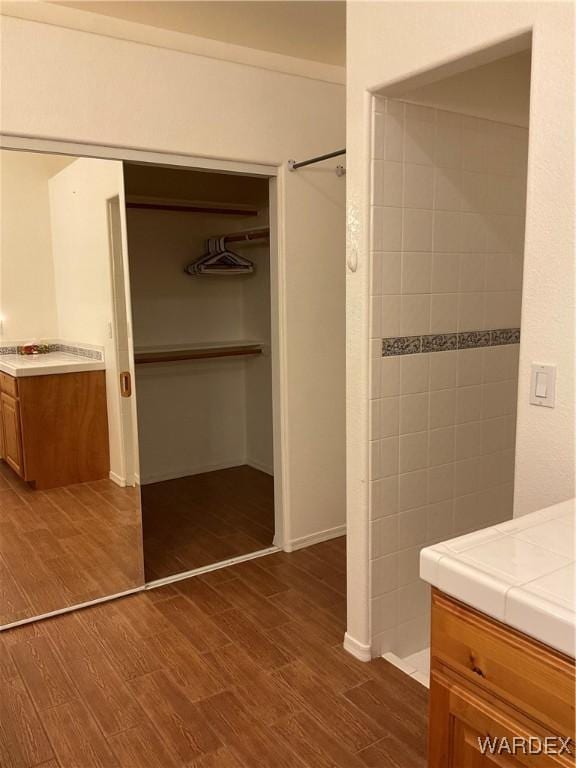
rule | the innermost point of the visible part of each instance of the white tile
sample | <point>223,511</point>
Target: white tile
<point>414,413</point>
<point>465,582</point>
<point>390,309</point>
<point>384,500</point>
<point>389,236</point>
<point>394,137</point>
<point>447,235</point>
<point>379,124</point>
<point>384,612</point>
<point>448,139</point>
<point>442,408</point>
<point>472,272</point>
<point>556,535</point>
<point>413,635</point>
<point>471,311</point>
<point>513,560</point>
<point>408,565</point>
<point>412,490</point>
<point>422,677</point>
<point>389,376</point>
<point>384,574</point>
<point>554,625</point>
<point>447,189</point>
<point>439,525</point>
<point>473,233</point>
<point>419,112</point>
<point>499,399</point>
<point>468,404</point>
<point>376,317</point>
<point>384,536</point>
<point>388,414</point>
<point>429,559</point>
<point>445,272</point>
<point>390,272</point>
<point>418,186</point>
<point>419,141</point>
<point>388,183</point>
<point>416,230</point>
<point>414,374</point>
<point>558,587</point>
<point>473,149</point>
<point>443,312</point>
<point>468,440</point>
<point>467,474</point>
<point>440,483</point>
<point>415,315</point>
<point>416,272</point>
<point>420,660</point>
<point>388,455</point>
<point>413,451</point>
<point>462,543</point>
<point>411,529</point>
<point>440,446</point>
<point>469,367</point>
<point>413,600</point>
<point>443,370</point>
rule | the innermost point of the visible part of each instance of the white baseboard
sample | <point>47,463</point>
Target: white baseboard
<point>359,650</point>
<point>159,477</point>
<point>255,464</point>
<point>121,481</point>
<point>315,538</point>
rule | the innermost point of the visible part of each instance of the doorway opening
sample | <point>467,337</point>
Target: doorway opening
<point>449,163</point>
<point>200,280</point>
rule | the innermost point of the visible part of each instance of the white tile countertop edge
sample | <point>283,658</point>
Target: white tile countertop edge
<point>48,363</point>
<point>521,572</point>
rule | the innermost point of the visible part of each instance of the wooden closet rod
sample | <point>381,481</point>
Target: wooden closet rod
<point>255,234</point>
<point>179,355</point>
<point>192,209</point>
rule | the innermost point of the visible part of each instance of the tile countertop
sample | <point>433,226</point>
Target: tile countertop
<point>49,363</point>
<point>521,572</point>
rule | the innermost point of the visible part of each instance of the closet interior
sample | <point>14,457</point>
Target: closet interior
<point>199,261</point>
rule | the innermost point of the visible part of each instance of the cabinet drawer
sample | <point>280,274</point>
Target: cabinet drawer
<point>9,385</point>
<point>463,725</point>
<point>530,676</point>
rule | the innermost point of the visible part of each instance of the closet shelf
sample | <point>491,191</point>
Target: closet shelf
<point>197,352</point>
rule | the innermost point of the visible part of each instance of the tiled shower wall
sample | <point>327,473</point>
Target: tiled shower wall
<point>448,203</point>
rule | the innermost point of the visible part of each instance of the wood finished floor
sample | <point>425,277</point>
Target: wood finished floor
<point>240,668</point>
<point>202,519</point>
<point>65,546</point>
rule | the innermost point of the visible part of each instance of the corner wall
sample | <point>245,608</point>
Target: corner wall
<point>391,41</point>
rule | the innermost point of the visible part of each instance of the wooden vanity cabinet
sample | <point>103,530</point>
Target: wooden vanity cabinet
<point>54,428</point>
<point>488,680</point>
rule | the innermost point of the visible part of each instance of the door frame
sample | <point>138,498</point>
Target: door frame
<point>277,205</point>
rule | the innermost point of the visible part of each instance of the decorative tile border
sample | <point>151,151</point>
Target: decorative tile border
<point>446,342</point>
<point>79,351</point>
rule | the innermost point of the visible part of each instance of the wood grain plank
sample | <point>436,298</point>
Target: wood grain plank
<point>335,713</point>
<point>262,611</point>
<point>23,741</point>
<point>75,737</point>
<point>241,630</point>
<point>43,672</point>
<point>316,746</point>
<point>179,721</point>
<point>202,633</point>
<point>141,747</point>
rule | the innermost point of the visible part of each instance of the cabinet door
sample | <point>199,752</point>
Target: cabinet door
<point>12,433</point>
<point>461,721</point>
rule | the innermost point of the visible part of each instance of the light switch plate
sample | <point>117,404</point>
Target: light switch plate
<point>543,385</point>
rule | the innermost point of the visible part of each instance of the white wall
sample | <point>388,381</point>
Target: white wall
<point>498,91</point>
<point>89,88</point>
<point>82,270</point>
<point>389,41</point>
<point>27,301</point>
